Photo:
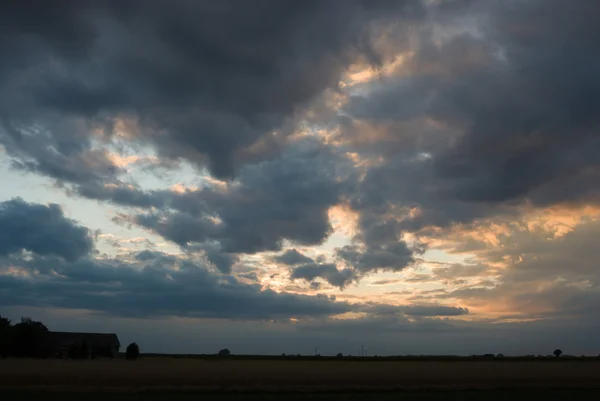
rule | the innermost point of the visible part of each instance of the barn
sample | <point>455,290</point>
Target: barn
<point>60,343</point>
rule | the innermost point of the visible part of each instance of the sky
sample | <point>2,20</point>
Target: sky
<point>414,177</point>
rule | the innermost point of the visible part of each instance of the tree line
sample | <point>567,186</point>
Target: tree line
<point>31,339</point>
<point>24,339</point>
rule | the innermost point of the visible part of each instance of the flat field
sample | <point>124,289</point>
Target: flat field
<point>425,395</point>
<point>217,375</point>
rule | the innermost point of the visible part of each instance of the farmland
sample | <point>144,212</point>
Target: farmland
<point>245,378</point>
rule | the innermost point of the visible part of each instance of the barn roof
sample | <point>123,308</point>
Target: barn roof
<point>67,339</point>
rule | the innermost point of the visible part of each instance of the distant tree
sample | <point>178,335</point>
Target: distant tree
<point>29,338</point>
<point>557,353</point>
<point>224,352</point>
<point>5,323</point>
<point>132,351</point>
<point>340,355</point>
<point>6,336</point>
<point>500,356</point>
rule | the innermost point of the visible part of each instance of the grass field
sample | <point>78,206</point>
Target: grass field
<point>183,379</point>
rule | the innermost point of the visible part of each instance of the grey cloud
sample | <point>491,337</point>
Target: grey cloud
<point>221,260</point>
<point>194,91</point>
<point>58,148</point>
<point>402,101</point>
<point>419,278</point>
<point>153,255</point>
<point>149,287</point>
<point>457,271</point>
<point>285,198</point>
<point>204,81</point>
<point>386,282</point>
<point>416,310</point>
<point>292,257</point>
<point>252,276</point>
<point>180,228</point>
<point>376,326</point>
<point>151,284</point>
<point>405,183</point>
<point>509,128</point>
<point>327,271</point>
<point>534,252</point>
<point>390,256</point>
<point>562,269</point>
<point>41,229</point>
<point>382,247</point>
<point>121,194</point>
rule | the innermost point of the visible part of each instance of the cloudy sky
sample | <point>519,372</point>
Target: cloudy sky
<point>421,177</point>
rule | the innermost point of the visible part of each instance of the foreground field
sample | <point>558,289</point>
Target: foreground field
<point>281,375</point>
<point>479,395</point>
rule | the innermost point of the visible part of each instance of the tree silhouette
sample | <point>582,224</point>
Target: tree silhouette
<point>224,352</point>
<point>340,355</point>
<point>5,323</point>
<point>6,336</point>
<point>557,353</point>
<point>132,352</point>
<point>29,338</point>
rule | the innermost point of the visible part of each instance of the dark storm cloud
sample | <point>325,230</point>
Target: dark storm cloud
<point>284,198</point>
<point>404,183</point>
<point>41,229</point>
<point>327,271</point>
<point>203,80</point>
<point>206,82</point>
<point>150,284</point>
<point>122,194</point>
<point>389,254</point>
<point>514,109</point>
<point>221,260</point>
<point>152,287</point>
<point>531,113</point>
<point>382,248</point>
<point>59,148</point>
<point>292,257</point>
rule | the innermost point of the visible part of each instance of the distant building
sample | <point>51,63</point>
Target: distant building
<point>59,344</point>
